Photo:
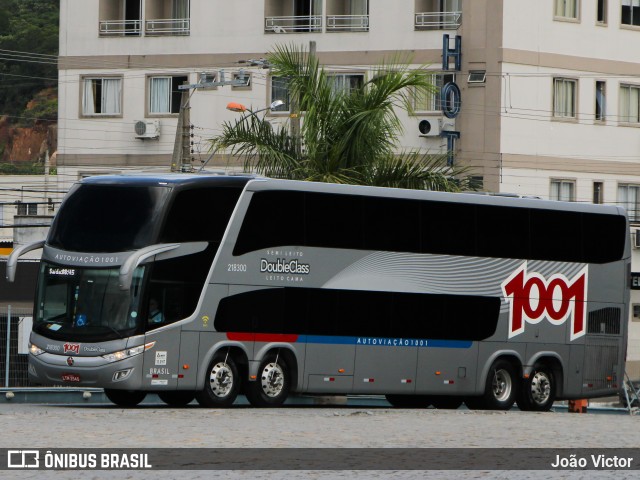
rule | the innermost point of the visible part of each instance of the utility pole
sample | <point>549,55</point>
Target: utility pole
<point>181,158</point>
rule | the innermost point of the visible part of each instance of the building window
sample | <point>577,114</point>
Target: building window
<point>563,190</point>
<point>27,208</point>
<point>280,91</point>
<point>630,103</point>
<point>629,198</point>
<point>597,192</point>
<point>241,76</point>
<point>102,96</point>
<point>630,12</point>
<point>346,83</point>
<point>600,101</point>
<point>431,101</point>
<point>564,97</point>
<point>567,8</point>
<point>164,96</point>
<point>601,12</point>
<point>206,78</point>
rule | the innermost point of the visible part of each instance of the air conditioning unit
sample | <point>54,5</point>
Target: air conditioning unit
<point>430,127</point>
<point>147,129</point>
<point>636,239</point>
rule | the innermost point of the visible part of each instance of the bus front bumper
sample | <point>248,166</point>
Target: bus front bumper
<point>49,368</point>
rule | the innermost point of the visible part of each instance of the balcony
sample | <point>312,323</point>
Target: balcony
<point>167,26</point>
<point>347,23</point>
<point>120,28</point>
<point>438,20</point>
<point>293,24</point>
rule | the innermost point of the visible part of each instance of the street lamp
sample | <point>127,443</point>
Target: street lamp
<point>238,107</point>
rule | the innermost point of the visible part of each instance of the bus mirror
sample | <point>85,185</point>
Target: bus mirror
<point>12,261</point>
<point>136,258</point>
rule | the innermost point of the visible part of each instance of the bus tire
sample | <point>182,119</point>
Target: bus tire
<point>501,386</point>
<point>125,398</point>
<point>446,402</point>
<point>408,401</point>
<point>538,392</point>
<point>222,384</point>
<point>178,398</point>
<point>271,388</point>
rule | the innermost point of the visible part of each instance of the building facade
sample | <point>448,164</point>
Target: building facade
<point>545,98</point>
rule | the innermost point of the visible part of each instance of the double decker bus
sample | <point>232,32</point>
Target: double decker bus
<point>207,287</point>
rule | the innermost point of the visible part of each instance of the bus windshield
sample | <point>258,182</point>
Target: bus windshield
<point>108,218</point>
<point>84,304</point>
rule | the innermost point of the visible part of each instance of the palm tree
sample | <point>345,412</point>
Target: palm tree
<point>345,136</point>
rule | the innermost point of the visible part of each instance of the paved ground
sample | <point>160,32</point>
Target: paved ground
<point>102,426</point>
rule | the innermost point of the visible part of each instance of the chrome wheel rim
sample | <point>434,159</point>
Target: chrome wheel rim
<point>540,388</point>
<point>272,380</point>
<point>221,379</point>
<point>502,385</point>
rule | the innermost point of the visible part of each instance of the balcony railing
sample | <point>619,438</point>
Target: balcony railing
<point>347,23</point>
<point>119,28</point>
<point>167,26</point>
<point>438,20</point>
<point>299,24</point>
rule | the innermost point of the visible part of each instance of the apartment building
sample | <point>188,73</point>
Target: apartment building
<point>541,98</point>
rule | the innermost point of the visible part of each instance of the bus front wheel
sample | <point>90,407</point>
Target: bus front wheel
<point>125,398</point>
<point>222,384</point>
<point>538,391</point>
<point>271,388</point>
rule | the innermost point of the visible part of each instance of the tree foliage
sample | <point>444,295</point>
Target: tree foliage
<point>346,136</point>
<point>28,47</point>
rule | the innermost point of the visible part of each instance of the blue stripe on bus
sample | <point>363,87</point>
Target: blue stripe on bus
<point>385,342</point>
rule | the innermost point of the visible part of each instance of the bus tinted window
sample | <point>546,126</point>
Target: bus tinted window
<point>502,231</point>
<point>448,228</point>
<point>333,221</point>
<point>273,219</point>
<point>556,235</point>
<point>108,218</point>
<point>187,220</point>
<point>359,313</point>
<point>391,224</point>
<point>602,237</point>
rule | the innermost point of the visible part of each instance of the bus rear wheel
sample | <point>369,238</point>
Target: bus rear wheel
<point>538,391</point>
<point>222,384</point>
<point>271,388</point>
<point>125,398</point>
<point>179,398</point>
<point>408,401</point>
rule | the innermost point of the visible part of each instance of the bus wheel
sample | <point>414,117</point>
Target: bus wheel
<point>500,388</point>
<point>446,402</point>
<point>179,398</point>
<point>408,401</point>
<point>538,392</point>
<point>125,398</point>
<point>271,388</point>
<point>222,384</point>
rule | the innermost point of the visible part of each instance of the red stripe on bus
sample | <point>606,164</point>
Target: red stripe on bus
<point>262,337</point>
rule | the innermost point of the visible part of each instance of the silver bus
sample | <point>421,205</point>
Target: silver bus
<point>207,287</point>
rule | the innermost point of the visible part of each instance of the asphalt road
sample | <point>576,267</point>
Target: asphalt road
<point>156,426</point>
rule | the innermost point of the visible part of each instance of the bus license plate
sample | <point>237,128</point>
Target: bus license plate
<point>70,377</point>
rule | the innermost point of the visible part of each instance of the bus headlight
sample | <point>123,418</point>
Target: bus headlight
<point>129,352</point>
<point>35,350</point>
